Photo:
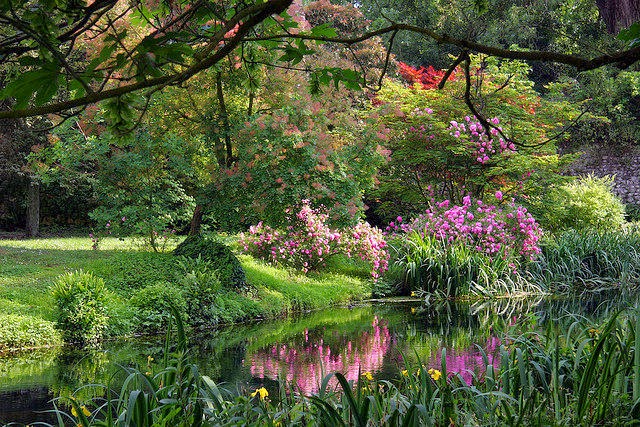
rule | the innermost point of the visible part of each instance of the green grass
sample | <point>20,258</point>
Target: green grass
<point>29,268</point>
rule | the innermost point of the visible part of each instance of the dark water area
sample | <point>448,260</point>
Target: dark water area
<point>379,338</point>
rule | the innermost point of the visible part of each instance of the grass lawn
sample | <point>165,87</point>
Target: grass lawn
<point>28,269</point>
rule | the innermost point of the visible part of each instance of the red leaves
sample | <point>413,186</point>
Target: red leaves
<point>427,77</point>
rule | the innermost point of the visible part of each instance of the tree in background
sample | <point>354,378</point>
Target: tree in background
<point>438,150</point>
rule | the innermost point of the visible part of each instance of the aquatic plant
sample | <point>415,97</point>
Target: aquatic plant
<point>580,261</point>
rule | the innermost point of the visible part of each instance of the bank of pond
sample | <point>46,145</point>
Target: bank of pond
<point>519,361</point>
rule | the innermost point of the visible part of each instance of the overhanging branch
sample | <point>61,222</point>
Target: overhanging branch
<point>258,13</point>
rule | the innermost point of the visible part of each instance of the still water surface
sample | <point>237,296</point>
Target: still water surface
<point>378,338</point>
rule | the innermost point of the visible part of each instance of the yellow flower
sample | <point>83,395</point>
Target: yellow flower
<point>262,392</point>
<point>84,410</point>
<point>413,310</point>
<point>368,376</point>
<point>435,374</point>
<point>413,294</point>
<point>405,373</point>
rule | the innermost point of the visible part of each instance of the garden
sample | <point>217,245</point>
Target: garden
<point>314,213</point>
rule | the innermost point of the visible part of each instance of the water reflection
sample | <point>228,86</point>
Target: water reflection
<point>305,360</point>
<point>374,338</point>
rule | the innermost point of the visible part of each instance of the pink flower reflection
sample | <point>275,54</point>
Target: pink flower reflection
<point>468,361</point>
<point>305,365</point>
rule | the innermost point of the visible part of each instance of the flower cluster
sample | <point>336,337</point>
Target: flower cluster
<point>483,146</point>
<point>308,241</point>
<point>490,229</point>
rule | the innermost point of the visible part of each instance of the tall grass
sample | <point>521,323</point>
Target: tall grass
<point>579,261</point>
<point>450,270</point>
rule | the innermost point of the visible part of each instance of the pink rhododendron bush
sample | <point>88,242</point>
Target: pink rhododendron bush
<point>489,229</point>
<point>471,247</point>
<point>308,241</point>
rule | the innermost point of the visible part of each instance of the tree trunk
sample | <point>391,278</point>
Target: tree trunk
<point>224,117</point>
<point>196,221</point>
<point>33,209</point>
<point>618,14</point>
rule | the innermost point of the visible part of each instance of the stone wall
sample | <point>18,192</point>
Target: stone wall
<point>621,162</point>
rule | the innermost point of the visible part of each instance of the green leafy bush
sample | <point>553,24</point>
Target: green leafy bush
<point>588,202</point>
<point>633,212</point>
<point>81,300</point>
<point>153,307</point>
<point>26,331</point>
<point>199,283</point>
<point>219,255</point>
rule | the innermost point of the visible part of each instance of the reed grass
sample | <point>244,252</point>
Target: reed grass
<point>589,261</point>
<point>426,265</point>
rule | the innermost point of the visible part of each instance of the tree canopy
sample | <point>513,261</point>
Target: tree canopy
<point>57,56</point>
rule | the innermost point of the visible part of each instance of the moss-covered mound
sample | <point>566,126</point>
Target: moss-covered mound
<point>230,271</point>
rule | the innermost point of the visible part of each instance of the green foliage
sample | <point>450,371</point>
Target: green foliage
<point>153,307</point>
<point>434,268</point>
<point>434,151</point>
<point>611,95</point>
<point>631,35</point>
<point>142,187</point>
<point>199,283</point>
<point>293,154</point>
<point>219,255</point>
<point>587,260</point>
<point>586,203</point>
<point>81,300</point>
<point>633,212</point>
<point>21,331</point>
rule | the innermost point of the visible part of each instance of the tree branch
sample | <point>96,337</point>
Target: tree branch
<point>255,14</point>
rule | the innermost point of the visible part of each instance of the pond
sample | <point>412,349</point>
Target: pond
<point>378,338</point>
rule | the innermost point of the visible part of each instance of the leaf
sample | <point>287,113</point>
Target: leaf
<point>42,82</point>
<point>481,6</point>
<point>324,30</point>
<point>631,35</point>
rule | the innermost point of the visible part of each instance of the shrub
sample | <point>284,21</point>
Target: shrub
<point>219,255</point>
<point>153,307</point>
<point>633,212</point>
<point>588,202</point>
<point>26,331</point>
<point>199,283</point>
<point>308,241</point>
<point>452,250</point>
<point>81,307</point>
<point>508,231</point>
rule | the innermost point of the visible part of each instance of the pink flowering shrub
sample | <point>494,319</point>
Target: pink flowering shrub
<point>307,242</point>
<point>489,229</point>
<point>482,146</point>
<point>474,247</point>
